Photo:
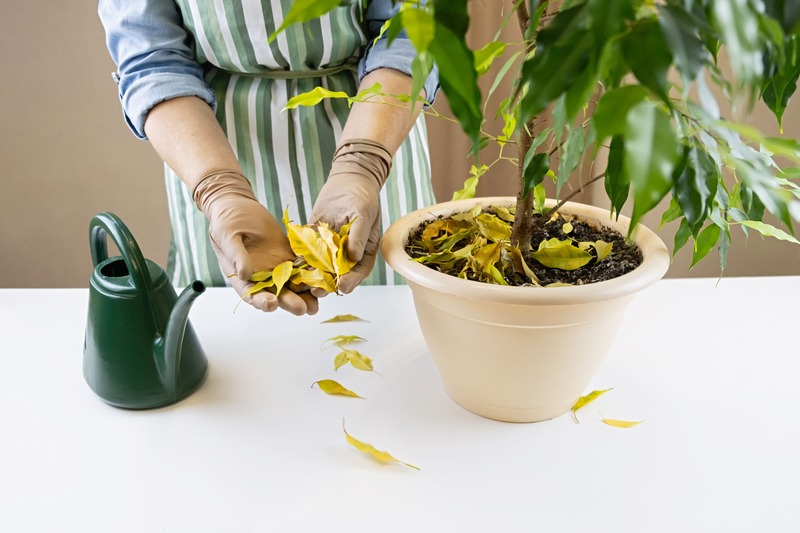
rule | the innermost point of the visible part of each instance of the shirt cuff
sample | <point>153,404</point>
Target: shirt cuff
<point>398,56</point>
<point>143,93</point>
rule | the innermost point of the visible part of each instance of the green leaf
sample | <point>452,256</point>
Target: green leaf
<point>420,27</point>
<point>651,152</point>
<point>303,11</point>
<point>672,213</point>
<point>564,50</point>
<point>456,64</point>
<point>571,152</point>
<point>648,56</point>
<point>313,97</point>
<point>471,183</point>
<point>486,56</point>
<point>617,182</point>
<point>696,186</point>
<point>534,170</point>
<point>738,24</point>
<point>612,110</point>
<point>684,42</point>
<point>421,67</point>
<point>707,239</point>
<point>768,230</point>
<point>500,76</point>
<point>555,253</point>
<point>681,236</point>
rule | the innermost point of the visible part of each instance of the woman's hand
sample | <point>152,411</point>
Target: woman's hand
<point>247,238</point>
<point>351,195</point>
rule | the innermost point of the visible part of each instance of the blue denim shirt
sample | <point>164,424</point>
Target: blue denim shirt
<point>150,46</point>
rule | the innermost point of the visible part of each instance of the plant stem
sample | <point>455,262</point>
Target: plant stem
<point>570,196</point>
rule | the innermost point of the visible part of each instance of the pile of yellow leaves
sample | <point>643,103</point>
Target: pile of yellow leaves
<point>321,259</point>
<point>477,244</point>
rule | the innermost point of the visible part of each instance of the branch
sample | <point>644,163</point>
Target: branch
<point>571,195</point>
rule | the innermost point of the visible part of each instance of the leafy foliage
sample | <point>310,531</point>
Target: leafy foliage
<point>653,66</point>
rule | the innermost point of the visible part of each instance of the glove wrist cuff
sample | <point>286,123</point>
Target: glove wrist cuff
<point>220,183</point>
<point>363,156</point>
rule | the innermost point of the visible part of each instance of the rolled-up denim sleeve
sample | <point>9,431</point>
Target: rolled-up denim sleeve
<point>399,55</point>
<point>153,54</point>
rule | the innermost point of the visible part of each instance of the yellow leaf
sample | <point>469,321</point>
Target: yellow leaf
<point>339,361</point>
<point>281,274</point>
<point>603,249</point>
<point>520,265</point>
<point>555,253</point>
<point>261,275</point>
<point>260,286</point>
<point>313,97</point>
<point>621,423</point>
<point>585,400</point>
<point>493,228</point>
<point>357,359</point>
<point>567,228</point>
<point>329,386</point>
<point>307,242</point>
<point>344,318</point>
<point>368,449</point>
<point>342,341</point>
<point>314,278</point>
<point>343,263</point>
<point>504,213</point>
<point>330,238</point>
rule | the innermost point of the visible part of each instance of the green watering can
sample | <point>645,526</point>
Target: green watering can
<point>140,351</point>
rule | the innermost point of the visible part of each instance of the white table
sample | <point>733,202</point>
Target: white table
<point>711,370</point>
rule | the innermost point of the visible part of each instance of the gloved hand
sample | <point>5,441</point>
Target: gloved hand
<point>351,194</point>
<point>247,238</point>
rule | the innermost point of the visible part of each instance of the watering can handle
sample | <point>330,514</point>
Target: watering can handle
<point>109,223</point>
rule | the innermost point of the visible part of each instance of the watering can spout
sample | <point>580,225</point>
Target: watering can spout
<point>169,348</point>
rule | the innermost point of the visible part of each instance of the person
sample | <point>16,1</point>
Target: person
<point>203,82</point>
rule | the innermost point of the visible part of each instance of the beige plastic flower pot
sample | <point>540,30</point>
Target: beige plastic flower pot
<point>519,354</point>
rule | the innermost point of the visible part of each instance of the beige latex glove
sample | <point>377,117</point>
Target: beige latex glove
<point>351,194</point>
<point>247,238</point>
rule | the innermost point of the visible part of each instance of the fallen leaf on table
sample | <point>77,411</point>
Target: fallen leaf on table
<point>329,386</point>
<point>344,318</point>
<point>382,456</point>
<point>342,340</point>
<point>620,423</point>
<point>355,358</point>
<point>585,400</point>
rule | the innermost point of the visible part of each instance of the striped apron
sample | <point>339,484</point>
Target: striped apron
<point>286,155</point>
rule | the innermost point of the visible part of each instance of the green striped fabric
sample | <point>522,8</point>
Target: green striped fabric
<point>286,155</point>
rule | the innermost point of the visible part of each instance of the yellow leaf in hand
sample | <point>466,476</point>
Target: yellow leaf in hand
<point>261,275</point>
<point>363,447</point>
<point>329,386</point>
<point>343,262</point>
<point>307,243</point>
<point>314,278</point>
<point>260,286</point>
<point>621,423</point>
<point>281,274</point>
<point>585,400</point>
<point>331,239</point>
<point>344,318</point>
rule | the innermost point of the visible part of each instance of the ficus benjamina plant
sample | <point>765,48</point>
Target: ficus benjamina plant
<point>645,80</point>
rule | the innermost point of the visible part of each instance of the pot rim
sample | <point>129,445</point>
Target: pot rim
<point>656,259</point>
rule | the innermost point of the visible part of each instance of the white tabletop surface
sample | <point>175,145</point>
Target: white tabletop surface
<point>711,369</point>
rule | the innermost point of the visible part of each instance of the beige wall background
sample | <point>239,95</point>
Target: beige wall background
<point>66,155</point>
